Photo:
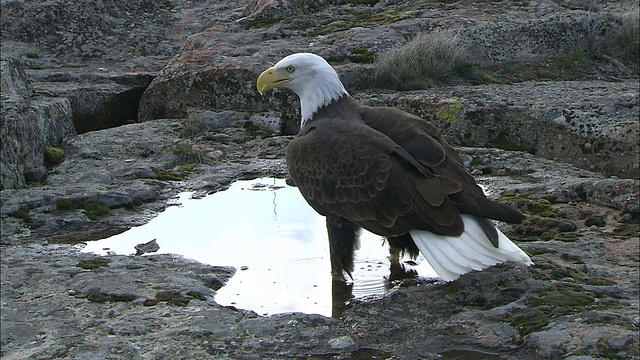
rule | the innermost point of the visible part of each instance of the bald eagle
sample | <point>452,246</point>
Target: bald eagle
<point>389,172</point>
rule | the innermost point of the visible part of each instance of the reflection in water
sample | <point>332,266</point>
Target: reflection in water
<point>277,242</point>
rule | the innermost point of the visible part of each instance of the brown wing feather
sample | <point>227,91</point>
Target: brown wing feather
<point>349,170</point>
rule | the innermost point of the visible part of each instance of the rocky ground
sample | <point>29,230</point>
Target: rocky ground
<point>567,157</point>
<point>580,298</point>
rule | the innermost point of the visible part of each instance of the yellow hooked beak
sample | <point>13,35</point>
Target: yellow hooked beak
<point>272,78</point>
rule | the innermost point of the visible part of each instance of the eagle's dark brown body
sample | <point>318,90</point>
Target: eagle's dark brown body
<point>386,171</point>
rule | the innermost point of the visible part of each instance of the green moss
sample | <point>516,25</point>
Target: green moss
<point>332,27</point>
<point>391,15</point>
<point>362,55</point>
<point>169,175</point>
<point>547,304</point>
<point>65,205</point>
<point>565,237</point>
<point>546,229</point>
<point>22,213</point>
<point>450,113</point>
<point>32,55</point>
<point>543,223</point>
<point>179,174</point>
<point>627,230</point>
<point>562,298</point>
<point>36,224</point>
<point>53,156</point>
<point>529,320</point>
<point>554,270</point>
<point>35,67</point>
<point>477,75</point>
<point>94,209</point>
<point>540,207</point>
<point>173,298</point>
<point>25,215</point>
<point>94,263</point>
<point>554,224</point>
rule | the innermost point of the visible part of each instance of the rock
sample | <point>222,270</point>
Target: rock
<point>342,342</point>
<point>35,175</point>
<point>16,86</point>
<point>29,127</point>
<point>175,92</point>
<point>151,246</point>
<point>199,120</point>
<point>97,102</point>
<point>116,32</point>
<point>552,35</point>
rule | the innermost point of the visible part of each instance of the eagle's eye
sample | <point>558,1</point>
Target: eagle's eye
<point>290,69</point>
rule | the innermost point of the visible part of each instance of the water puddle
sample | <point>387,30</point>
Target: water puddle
<point>270,234</point>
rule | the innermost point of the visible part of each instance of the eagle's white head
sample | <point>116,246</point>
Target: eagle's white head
<point>309,76</point>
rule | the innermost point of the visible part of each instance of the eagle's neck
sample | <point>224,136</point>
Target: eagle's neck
<point>319,93</point>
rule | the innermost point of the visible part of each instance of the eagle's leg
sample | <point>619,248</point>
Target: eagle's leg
<point>399,245</point>
<point>344,240</point>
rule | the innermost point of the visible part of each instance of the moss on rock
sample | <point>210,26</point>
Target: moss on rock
<point>53,156</point>
<point>627,230</point>
<point>25,215</point>
<point>94,263</point>
<point>362,55</point>
<point>66,204</point>
<point>94,209</point>
<point>543,222</point>
<point>529,320</point>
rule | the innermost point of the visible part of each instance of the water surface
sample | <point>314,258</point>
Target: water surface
<point>268,232</point>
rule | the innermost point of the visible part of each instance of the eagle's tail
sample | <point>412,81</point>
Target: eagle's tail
<point>451,257</point>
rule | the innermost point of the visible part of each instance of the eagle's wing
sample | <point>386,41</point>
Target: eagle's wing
<point>347,169</point>
<point>425,143</point>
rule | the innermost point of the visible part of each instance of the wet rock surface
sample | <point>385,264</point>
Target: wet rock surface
<point>568,160</point>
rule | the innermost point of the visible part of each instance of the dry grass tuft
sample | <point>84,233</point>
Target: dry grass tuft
<point>627,39</point>
<point>616,38</point>
<point>418,64</point>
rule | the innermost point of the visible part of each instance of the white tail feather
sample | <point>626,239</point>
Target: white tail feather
<point>451,257</point>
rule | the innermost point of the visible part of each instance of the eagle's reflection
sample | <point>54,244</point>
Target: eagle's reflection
<point>342,290</point>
